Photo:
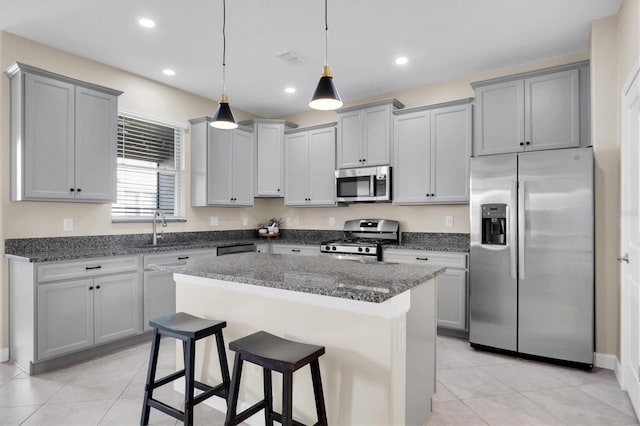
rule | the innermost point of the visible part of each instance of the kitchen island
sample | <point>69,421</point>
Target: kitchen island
<point>377,322</point>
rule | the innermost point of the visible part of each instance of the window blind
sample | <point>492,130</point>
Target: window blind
<point>150,173</point>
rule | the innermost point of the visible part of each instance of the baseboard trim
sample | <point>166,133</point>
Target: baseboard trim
<point>618,372</point>
<point>608,361</point>
<point>4,354</point>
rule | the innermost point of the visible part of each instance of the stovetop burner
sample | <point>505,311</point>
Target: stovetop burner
<point>363,238</point>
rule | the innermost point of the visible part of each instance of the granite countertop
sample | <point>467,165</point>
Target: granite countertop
<point>368,282</point>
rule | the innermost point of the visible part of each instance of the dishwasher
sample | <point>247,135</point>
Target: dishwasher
<point>240,248</point>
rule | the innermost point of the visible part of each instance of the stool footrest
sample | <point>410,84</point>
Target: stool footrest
<point>167,409</point>
<point>167,379</point>
<point>278,418</point>
<point>220,390</point>
<point>244,415</point>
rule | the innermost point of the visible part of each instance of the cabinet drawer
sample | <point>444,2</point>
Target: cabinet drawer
<point>295,249</point>
<point>55,271</point>
<point>176,256</point>
<point>436,258</point>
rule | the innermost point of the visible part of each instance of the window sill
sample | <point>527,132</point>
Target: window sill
<point>144,220</point>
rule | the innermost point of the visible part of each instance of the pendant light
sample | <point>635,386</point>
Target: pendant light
<point>223,117</point>
<point>326,96</point>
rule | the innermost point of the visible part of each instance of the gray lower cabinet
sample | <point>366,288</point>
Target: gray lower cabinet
<point>159,288</point>
<point>432,147</point>
<point>452,285</point>
<point>310,159</point>
<point>539,110</point>
<point>63,137</point>
<point>222,165</point>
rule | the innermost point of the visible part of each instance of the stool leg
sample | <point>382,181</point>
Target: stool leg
<point>232,399</point>
<point>317,392</point>
<point>151,377</point>
<point>287,398</point>
<point>189,367</point>
<point>268,397</point>
<point>224,367</point>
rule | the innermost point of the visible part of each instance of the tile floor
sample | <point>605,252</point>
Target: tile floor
<point>473,388</point>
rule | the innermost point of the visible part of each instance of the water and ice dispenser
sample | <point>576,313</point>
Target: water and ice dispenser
<point>494,224</point>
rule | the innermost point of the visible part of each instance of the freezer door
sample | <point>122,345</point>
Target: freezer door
<point>556,288</point>
<point>492,269</point>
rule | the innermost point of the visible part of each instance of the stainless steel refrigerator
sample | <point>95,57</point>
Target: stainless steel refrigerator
<point>532,253</point>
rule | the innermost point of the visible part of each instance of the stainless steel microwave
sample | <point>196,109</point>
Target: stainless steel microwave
<point>363,184</point>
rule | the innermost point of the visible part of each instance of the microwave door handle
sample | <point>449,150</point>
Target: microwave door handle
<point>372,185</point>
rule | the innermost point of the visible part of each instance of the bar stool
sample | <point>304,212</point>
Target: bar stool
<point>274,353</point>
<point>189,329</point>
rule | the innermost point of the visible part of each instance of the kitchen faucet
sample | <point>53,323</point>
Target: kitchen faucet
<point>156,214</point>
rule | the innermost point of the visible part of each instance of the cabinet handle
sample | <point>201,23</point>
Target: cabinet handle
<point>433,195</point>
<point>183,257</point>
<point>364,160</point>
<point>88,268</point>
<point>295,250</point>
<point>72,189</point>
<point>422,258</point>
<point>427,195</point>
<point>278,189</point>
<point>97,287</point>
<point>90,288</point>
<point>78,189</point>
<point>527,143</point>
<point>521,143</point>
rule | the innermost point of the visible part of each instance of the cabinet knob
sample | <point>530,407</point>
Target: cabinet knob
<point>527,143</point>
<point>433,195</point>
<point>90,288</point>
<point>521,143</point>
<point>72,189</point>
<point>426,195</point>
<point>278,189</point>
<point>78,189</point>
<point>364,160</point>
<point>97,287</point>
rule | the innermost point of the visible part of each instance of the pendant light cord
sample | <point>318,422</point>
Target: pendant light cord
<point>326,35</point>
<point>224,46</point>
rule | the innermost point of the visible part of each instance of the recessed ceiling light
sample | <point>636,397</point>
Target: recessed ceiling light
<point>168,71</point>
<point>290,89</point>
<point>146,22</point>
<point>401,60</point>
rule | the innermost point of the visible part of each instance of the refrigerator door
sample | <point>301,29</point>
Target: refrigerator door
<point>556,288</point>
<point>492,268</point>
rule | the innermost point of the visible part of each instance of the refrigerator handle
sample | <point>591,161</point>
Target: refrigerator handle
<point>522,188</point>
<point>513,228</point>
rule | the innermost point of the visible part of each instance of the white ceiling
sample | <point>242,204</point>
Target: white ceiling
<point>443,39</point>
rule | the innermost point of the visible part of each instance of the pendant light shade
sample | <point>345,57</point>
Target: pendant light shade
<point>326,96</point>
<point>223,117</point>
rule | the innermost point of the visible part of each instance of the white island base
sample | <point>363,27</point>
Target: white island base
<point>379,365</point>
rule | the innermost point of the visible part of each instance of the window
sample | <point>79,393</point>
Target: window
<point>150,169</point>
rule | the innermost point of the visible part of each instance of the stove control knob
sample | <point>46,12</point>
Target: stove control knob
<point>327,248</point>
<point>367,250</point>
<point>359,248</point>
<point>333,248</point>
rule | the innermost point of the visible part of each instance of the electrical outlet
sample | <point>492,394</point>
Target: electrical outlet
<point>448,221</point>
<point>67,225</point>
<point>287,221</point>
<point>213,221</point>
<point>245,221</point>
<point>332,221</point>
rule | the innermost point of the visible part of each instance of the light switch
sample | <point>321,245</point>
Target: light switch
<point>287,221</point>
<point>67,225</point>
<point>332,221</point>
<point>245,221</point>
<point>213,221</point>
<point>448,221</point>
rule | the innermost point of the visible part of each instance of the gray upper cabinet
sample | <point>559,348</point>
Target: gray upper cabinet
<point>63,137</point>
<point>222,165</point>
<point>269,174</point>
<point>432,146</point>
<point>544,109</point>
<point>365,134</point>
<point>310,166</point>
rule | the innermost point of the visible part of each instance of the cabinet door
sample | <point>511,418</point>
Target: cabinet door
<point>376,149</point>
<point>117,306</point>
<point>452,299</point>
<point>296,174</point>
<point>500,118</point>
<point>159,296</point>
<point>552,111</point>
<point>242,176</point>
<point>450,153</point>
<point>65,317</point>
<point>322,161</point>
<point>219,166</point>
<point>350,137</point>
<point>296,249</point>
<point>269,140</point>
<point>49,117</point>
<point>95,145</point>
<point>411,162</point>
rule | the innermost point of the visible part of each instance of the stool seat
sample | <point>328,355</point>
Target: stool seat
<point>187,325</point>
<point>275,353</point>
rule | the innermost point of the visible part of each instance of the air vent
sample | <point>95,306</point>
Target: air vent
<point>290,57</point>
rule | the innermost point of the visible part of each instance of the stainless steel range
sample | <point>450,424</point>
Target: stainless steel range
<point>364,239</point>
